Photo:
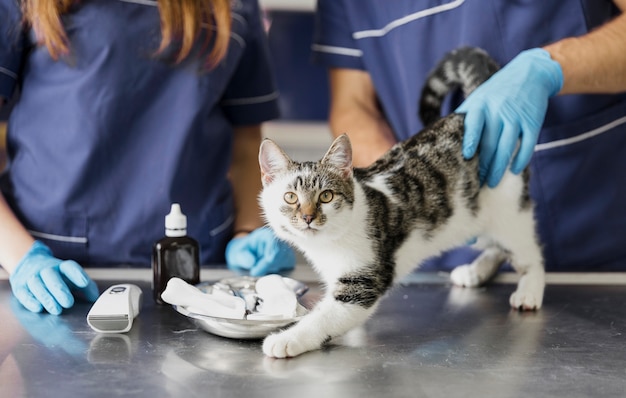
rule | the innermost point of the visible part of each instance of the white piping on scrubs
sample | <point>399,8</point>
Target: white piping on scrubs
<point>238,39</point>
<point>223,226</point>
<point>81,239</point>
<point>406,19</point>
<point>351,52</point>
<point>239,18</point>
<point>580,137</point>
<point>8,73</point>
<point>144,2</point>
<point>251,100</point>
<point>59,238</point>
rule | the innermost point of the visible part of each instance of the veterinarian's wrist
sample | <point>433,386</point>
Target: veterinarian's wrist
<point>549,70</point>
<point>243,231</point>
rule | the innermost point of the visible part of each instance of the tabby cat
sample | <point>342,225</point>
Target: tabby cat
<point>363,229</point>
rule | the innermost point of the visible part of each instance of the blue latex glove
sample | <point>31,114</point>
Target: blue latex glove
<point>42,281</point>
<point>509,108</point>
<point>260,253</point>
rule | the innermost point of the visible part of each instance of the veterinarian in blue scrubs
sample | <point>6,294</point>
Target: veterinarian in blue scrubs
<point>104,139</point>
<point>379,54</point>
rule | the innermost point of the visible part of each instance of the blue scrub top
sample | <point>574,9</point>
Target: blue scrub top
<point>102,142</point>
<point>578,181</point>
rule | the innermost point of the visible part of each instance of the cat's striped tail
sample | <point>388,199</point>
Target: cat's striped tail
<point>465,68</point>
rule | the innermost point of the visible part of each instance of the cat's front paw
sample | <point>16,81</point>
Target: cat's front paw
<point>529,293</point>
<point>526,300</point>
<point>466,276</point>
<point>285,345</point>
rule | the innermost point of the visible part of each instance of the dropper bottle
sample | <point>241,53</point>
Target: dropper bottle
<point>174,255</point>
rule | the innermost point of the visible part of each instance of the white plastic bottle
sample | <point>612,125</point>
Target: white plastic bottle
<point>175,255</point>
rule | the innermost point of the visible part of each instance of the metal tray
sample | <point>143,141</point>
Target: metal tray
<point>243,328</point>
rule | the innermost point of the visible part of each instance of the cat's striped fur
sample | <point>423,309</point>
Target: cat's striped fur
<point>364,228</point>
<point>465,68</point>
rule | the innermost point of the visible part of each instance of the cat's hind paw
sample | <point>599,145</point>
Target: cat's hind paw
<point>466,276</point>
<point>284,345</point>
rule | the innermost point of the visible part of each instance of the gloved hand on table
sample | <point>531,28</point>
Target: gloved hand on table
<point>261,253</point>
<point>507,108</point>
<point>41,280</point>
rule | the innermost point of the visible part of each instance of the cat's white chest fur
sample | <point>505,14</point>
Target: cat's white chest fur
<point>338,247</point>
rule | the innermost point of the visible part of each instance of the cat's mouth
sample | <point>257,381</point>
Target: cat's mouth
<point>309,229</point>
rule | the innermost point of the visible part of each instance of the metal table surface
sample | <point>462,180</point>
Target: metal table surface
<point>428,339</point>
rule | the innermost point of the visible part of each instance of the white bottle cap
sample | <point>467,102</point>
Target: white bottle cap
<point>175,222</point>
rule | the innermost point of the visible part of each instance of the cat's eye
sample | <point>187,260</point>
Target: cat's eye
<point>291,198</point>
<point>326,196</point>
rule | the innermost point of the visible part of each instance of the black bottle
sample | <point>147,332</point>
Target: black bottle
<point>175,255</point>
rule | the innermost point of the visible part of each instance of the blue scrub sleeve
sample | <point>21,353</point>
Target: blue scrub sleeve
<point>11,43</point>
<point>333,44</point>
<point>251,96</point>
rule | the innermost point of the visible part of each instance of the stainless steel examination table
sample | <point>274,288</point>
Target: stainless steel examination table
<point>428,339</point>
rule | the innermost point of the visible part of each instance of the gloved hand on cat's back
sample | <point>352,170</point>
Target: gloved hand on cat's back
<point>509,108</point>
<point>260,253</point>
<point>42,281</point>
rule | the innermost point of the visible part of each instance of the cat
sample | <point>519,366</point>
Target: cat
<point>363,229</point>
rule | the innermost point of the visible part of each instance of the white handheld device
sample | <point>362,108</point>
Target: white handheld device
<point>115,309</point>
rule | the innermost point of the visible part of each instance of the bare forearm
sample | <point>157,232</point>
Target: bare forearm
<point>355,112</point>
<point>246,178</point>
<point>370,136</point>
<point>595,62</point>
<point>3,150</point>
<point>15,241</point>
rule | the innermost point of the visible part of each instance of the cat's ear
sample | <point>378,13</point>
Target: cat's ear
<point>340,155</point>
<point>272,160</point>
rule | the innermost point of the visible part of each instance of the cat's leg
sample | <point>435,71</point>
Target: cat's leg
<point>330,318</point>
<point>528,262</point>
<point>520,239</point>
<point>481,269</point>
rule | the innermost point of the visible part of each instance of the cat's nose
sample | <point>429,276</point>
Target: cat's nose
<point>308,218</point>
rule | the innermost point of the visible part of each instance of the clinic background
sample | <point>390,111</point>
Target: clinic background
<point>302,129</point>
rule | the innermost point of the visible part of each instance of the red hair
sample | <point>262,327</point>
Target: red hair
<point>181,22</point>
